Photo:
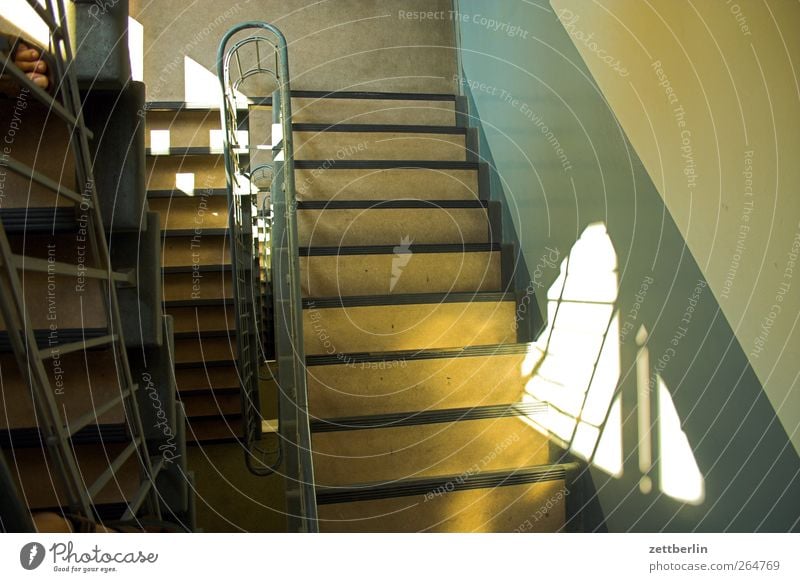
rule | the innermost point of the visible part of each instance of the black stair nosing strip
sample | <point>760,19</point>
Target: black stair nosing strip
<point>204,334</point>
<point>39,218</point>
<point>228,416</point>
<point>63,336</point>
<point>377,128</point>
<point>214,268</point>
<point>427,354</point>
<point>419,418</point>
<point>404,299</point>
<point>198,302</point>
<point>177,106</point>
<point>440,485</point>
<point>214,441</point>
<point>391,204</point>
<point>206,364</point>
<point>390,249</point>
<point>384,165</point>
<point>374,95</point>
<point>90,434</point>
<point>184,232</point>
<point>176,193</point>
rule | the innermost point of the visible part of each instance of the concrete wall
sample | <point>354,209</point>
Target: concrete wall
<point>334,45</point>
<point>583,137</point>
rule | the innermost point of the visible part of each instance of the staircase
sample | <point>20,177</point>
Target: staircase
<point>415,346</point>
<point>186,186</point>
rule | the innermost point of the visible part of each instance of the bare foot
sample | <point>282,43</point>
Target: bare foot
<point>29,61</point>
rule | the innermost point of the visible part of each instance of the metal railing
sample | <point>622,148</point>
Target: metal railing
<point>264,42</point>
<point>55,430</point>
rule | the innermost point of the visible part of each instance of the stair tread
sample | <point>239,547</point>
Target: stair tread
<point>419,417</point>
<point>326,251</point>
<point>405,299</point>
<point>455,482</point>
<point>378,128</point>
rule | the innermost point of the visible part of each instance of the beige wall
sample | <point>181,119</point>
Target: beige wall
<point>733,69</point>
<point>334,44</point>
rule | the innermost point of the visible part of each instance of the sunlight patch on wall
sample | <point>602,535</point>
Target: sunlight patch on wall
<point>679,475</point>
<point>578,363</point>
<point>136,48</point>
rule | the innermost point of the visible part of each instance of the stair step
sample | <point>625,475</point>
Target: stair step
<point>58,164</point>
<point>206,349</point>
<point>336,182</point>
<point>387,323</point>
<point>213,404</point>
<point>191,212</point>
<point>194,320</point>
<point>214,430</point>
<point>373,270</point>
<point>375,110</point>
<point>472,501</point>
<point>190,174</point>
<point>392,453</point>
<point>190,250</point>
<point>198,286</point>
<point>78,387</point>
<point>387,142</point>
<point>393,382</point>
<point>186,128</point>
<point>206,379</point>
<point>394,226</point>
<point>37,475</point>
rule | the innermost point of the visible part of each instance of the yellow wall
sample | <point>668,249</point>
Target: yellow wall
<point>733,69</point>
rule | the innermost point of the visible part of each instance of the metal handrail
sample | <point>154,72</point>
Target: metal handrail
<point>66,104</point>
<point>294,427</point>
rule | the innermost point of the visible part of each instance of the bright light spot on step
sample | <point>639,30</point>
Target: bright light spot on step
<point>679,475</point>
<point>136,48</point>
<point>185,183</point>
<point>216,139</point>
<point>159,141</point>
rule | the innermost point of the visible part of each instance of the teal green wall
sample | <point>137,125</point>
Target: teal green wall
<point>510,74</point>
